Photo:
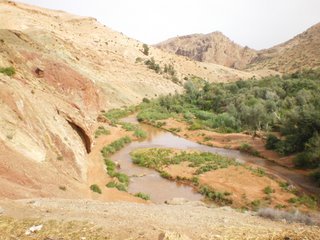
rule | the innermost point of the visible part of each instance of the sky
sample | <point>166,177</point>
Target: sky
<point>254,23</point>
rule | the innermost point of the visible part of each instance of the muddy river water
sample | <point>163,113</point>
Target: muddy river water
<point>149,181</point>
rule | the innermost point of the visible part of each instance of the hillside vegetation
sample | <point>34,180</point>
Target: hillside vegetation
<point>287,105</point>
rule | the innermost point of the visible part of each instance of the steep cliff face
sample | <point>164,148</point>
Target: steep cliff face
<point>213,47</point>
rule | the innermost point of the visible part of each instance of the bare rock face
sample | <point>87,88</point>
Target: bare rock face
<point>213,48</point>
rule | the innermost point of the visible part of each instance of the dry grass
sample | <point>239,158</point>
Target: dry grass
<point>290,217</point>
<point>15,229</point>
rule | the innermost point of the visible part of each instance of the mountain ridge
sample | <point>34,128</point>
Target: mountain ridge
<point>295,54</point>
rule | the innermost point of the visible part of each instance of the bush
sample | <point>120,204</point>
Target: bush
<point>9,71</point>
<point>115,146</point>
<point>145,49</point>
<point>101,131</point>
<point>153,65</point>
<point>256,204</point>
<point>272,142</point>
<point>117,113</point>
<point>146,100</point>
<point>308,201</point>
<point>119,186</point>
<point>304,160</point>
<point>316,177</point>
<point>268,190</point>
<point>139,133</point>
<point>142,195</point>
<point>128,126</point>
<point>139,59</point>
<point>245,147</point>
<point>95,188</point>
<point>219,197</point>
<point>290,217</point>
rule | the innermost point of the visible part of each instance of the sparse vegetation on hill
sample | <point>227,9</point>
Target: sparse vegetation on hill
<point>9,71</point>
<point>145,49</point>
<point>101,131</point>
<point>95,188</point>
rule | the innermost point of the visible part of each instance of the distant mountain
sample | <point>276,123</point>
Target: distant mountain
<point>303,51</point>
<point>213,47</point>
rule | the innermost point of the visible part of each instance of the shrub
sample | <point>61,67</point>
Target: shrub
<point>128,126</point>
<point>95,188</point>
<point>142,195</point>
<point>146,100</point>
<point>165,175</point>
<point>117,113</point>
<point>139,59</point>
<point>195,181</point>
<point>63,188</point>
<point>145,49</point>
<point>9,71</point>
<point>111,166</point>
<point>284,185</point>
<point>256,204</point>
<point>139,133</point>
<point>245,147</point>
<point>308,201</point>
<point>152,114</point>
<point>219,197</point>
<point>169,69</point>
<point>153,65</point>
<point>268,190</point>
<point>115,146</point>
<point>101,131</point>
<point>123,178</point>
<point>119,186</point>
<point>290,217</point>
<point>259,172</point>
<point>316,176</point>
<point>272,142</point>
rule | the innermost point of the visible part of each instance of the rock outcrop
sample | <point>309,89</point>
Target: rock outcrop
<point>213,48</point>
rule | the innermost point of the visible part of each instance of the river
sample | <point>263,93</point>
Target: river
<point>149,181</point>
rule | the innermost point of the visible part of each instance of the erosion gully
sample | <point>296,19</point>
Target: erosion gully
<point>149,181</point>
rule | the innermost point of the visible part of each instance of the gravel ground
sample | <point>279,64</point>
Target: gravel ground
<point>190,220</point>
